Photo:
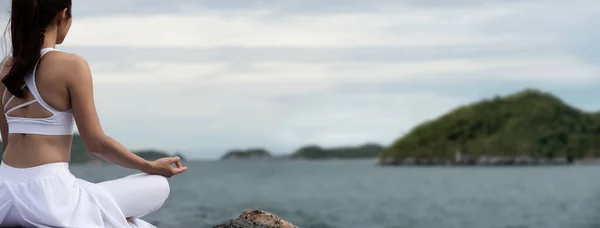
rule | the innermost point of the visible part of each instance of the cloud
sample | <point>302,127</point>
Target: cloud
<point>280,8</point>
<point>257,29</point>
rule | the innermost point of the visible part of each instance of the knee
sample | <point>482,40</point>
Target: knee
<point>155,183</point>
<point>160,188</point>
<point>163,187</point>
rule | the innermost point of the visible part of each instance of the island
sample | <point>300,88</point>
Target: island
<point>252,153</point>
<point>314,152</point>
<point>529,127</point>
<point>310,152</point>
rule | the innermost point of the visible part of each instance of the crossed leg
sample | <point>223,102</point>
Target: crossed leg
<point>139,194</point>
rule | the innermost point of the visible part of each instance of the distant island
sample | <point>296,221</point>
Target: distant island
<point>253,153</point>
<point>79,153</point>
<point>529,127</point>
<point>153,154</point>
<point>311,152</point>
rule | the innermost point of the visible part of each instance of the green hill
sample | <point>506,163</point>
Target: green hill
<point>528,123</point>
<point>369,150</point>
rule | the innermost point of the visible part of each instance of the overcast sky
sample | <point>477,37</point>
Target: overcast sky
<point>203,76</point>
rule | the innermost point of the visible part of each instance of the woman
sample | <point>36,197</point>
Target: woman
<point>45,92</point>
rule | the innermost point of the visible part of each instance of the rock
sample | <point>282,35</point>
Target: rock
<point>266,218</point>
<point>241,223</point>
<point>256,219</point>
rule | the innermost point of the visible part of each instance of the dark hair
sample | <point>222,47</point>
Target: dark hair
<point>28,22</point>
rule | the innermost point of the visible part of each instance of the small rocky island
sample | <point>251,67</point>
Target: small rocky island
<point>526,128</point>
<point>253,153</point>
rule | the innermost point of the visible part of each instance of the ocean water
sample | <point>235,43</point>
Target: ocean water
<point>357,194</point>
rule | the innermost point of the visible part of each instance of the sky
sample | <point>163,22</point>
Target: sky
<point>205,76</point>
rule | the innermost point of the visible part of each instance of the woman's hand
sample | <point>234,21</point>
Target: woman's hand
<point>164,167</point>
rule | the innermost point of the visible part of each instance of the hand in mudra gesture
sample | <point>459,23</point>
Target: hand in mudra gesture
<point>164,166</point>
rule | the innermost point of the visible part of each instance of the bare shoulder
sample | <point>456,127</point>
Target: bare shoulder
<point>68,61</point>
<point>69,65</point>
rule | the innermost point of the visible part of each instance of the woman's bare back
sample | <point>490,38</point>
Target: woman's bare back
<point>51,80</point>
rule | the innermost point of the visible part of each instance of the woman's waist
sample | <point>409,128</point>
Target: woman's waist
<point>37,149</point>
<point>40,140</point>
<point>17,175</point>
<point>32,156</point>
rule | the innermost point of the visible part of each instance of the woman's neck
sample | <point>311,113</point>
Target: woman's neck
<point>49,39</point>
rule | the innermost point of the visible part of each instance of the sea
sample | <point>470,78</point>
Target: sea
<point>359,194</point>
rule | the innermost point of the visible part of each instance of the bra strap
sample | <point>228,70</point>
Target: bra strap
<point>20,106</point>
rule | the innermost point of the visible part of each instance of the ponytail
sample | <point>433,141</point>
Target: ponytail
<point>28,22</point>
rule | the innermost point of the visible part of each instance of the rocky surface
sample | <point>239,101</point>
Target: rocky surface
<point>256,219</point>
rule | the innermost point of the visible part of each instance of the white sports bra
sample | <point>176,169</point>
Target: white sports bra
<point>60,123</point>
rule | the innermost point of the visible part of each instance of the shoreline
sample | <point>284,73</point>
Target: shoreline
<point>492,163</point>
<point>461,160</point>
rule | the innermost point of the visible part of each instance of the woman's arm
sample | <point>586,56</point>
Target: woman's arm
<point>80,88</point>
<point>3,127</point>
<point>3,123</point>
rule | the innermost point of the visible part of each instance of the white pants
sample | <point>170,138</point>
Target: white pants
<point>50,196</point>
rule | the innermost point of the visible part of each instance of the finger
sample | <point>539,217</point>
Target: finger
<point>178,164</point>
<point>180,170</point>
